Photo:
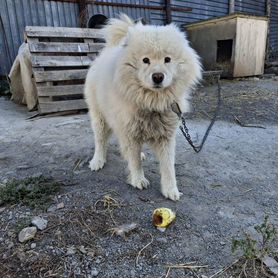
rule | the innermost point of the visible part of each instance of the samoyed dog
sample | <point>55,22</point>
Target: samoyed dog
<point>130,89</point>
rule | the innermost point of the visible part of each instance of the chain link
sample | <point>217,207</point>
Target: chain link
<point>184,128</point>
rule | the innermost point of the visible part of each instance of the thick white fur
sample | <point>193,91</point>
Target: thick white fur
<point>122,97</point>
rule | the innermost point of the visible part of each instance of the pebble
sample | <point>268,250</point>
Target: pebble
<point>10,215</point>
<point>132,273</point>
<point>10,245</point>
<point>162,240</point>
<point>2,209</point>
<point>60,205</point>
<point>91,254</point>
<point>33,245</point>
<point>39,222</point>
<point>271,264</point>
<point>94,272</point>
<point>52,208</point>
<point>82,249</point>
<point>98,260</point>
<point>27,234</point>
<point>71,250</point>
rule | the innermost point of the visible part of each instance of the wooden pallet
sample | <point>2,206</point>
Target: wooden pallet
<point>60,59</point>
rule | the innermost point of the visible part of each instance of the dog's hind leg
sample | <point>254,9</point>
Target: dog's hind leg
<point>101,135</point>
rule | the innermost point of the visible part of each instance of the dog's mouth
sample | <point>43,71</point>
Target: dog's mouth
<point>156,86</point>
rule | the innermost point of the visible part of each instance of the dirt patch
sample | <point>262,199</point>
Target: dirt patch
<point>228,188</point>
<point>251,101</point>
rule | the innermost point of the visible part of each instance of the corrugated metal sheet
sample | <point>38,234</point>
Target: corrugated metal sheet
<point>109,11</point>
<point>16,14</point>
<point>254,7</point>
<point>201,9</point>
<point>273,37</point>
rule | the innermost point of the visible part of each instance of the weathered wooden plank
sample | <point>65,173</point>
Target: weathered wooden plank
<point>61,47</point>
<point>63,105</point>
<point>60,61</point>
<point>60,75</point>
<point>63,32</point>
<point>62,90</point>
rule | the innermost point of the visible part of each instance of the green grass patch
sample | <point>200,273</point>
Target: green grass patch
<point>35,192</point>
<point>257,248</point>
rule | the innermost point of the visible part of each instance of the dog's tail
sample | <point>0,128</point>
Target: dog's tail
<point>117,29</point>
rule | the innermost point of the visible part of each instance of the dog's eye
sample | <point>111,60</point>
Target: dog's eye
<point>167,60</point>
<point>146,60</point>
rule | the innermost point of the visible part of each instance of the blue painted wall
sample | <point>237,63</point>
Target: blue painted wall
<point>16,14</point>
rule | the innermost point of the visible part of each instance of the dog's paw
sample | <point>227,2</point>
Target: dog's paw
<point>96,164</point>
<point>171,193</point>
<point>143,156</point>
<point>140,182</point>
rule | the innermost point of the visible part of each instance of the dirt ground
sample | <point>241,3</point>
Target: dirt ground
<point>228,188</point>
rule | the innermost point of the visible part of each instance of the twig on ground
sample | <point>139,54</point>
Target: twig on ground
<point>77,163</point>
<point>141,250</point>
<point>221,271</point>
<point>168,271</point>
<point>237,120</point>
<point>189,266</point>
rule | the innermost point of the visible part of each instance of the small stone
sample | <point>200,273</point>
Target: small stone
<point>98,260</point>
<point>94,272</point>
<point>82,249</point>
<point>27,234</point>
<point>60,205</point>
<point>71,250</point>
<point>256,79</point>
<point>39,222</point>
<point>132,273</point>
<point>33,245</point>
<point>91,254</point>
<point>10,215</point>
<point>2,209</point>
<point>271,264</point>
<point>52,208</point>
<point>162,240</point>
<point>10,245</point>
<point>161,229</point>
<point>222,243</point>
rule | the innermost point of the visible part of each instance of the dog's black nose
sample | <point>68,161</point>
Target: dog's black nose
<point>158,77</point>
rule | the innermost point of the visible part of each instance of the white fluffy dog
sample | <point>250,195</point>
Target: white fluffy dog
<point>130,88</point>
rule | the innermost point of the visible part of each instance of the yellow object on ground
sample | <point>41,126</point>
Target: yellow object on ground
<point>162,217</point>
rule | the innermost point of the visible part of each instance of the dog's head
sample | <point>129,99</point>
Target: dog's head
<point>156,64</point>
<point>161,57</point>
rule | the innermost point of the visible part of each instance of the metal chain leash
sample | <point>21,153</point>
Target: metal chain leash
<point>184,128</point>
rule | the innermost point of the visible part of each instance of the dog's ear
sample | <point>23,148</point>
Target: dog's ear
<point>129,35</point>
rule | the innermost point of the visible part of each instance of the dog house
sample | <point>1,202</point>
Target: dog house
<point>235,44</point>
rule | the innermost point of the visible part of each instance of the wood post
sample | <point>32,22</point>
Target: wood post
<point>83,13</point>
<point>231,6</point>
<point>168,11</point>
<point>268,13</point>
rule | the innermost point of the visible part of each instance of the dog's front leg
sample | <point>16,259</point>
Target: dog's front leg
<point>165,152</point>
<point>131,151</point>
